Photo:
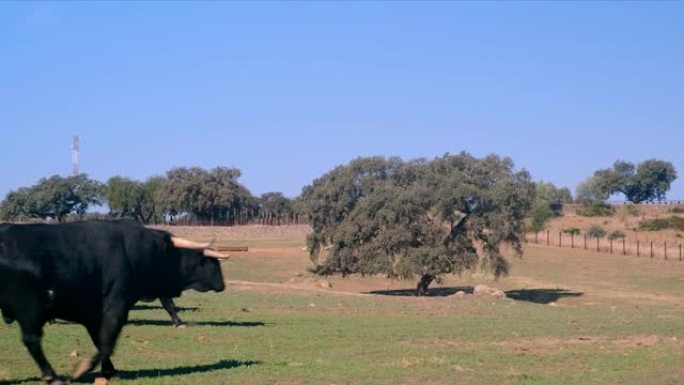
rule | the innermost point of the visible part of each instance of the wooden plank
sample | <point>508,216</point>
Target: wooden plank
<point>233,248</point>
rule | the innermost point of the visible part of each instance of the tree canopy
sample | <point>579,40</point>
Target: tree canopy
<point>417,218</point>
<point>134,199</point>
<point>549,193</point>
<point>54,197</point>
<point>548,202</point>
<point>275,206</point>
<point>645,182</point>
<point>213,194</point>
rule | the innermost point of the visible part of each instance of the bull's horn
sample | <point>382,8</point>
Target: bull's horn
<point>215,254</point>
<point>188,244</point>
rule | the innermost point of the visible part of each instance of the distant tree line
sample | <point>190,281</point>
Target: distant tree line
<point>189,195</point>
<point>418,218</point>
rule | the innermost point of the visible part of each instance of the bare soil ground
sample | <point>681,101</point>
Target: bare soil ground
<point>624,221</point>
<point>277,262</point>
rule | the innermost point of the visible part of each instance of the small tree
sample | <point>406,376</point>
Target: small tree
<point>572,231</point>
<point>539,216</point>
<point>592,192</point>
<point>617,234</point>
<point>596,231</point>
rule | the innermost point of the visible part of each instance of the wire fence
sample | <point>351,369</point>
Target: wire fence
<point>668,250</point>
<point>265,220</point>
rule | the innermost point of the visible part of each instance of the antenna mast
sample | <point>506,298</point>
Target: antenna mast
<point>75,146</point>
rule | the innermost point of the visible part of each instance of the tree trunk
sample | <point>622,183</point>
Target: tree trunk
<point>425,281</point>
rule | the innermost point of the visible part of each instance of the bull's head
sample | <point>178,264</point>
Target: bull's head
<point>200,265</point>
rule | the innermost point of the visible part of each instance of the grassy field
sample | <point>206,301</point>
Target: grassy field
<point>572,318</point>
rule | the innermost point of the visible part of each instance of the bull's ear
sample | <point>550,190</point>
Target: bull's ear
<point>211,253</point>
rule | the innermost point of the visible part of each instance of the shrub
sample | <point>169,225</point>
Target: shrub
<point>671,222</point>
<point>596,231</point>
<point>628,211</point>
<point>539,216</point>
<point>595,211</point>
<point>678,210</point>
<point>572,231</point>
<point>617,234</point>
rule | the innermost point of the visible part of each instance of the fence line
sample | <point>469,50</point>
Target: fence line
<point>265,221</point>
<point>642,249</point>
<point>654,203</point>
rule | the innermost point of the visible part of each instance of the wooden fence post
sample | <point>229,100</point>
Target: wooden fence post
<point>536,238</point>
<point>624,252</point>
<point>548,238</point>
<point>651,249</point>
<point>680,252</point>
<point>666,250</point>
<point>637,247</point>
<point>572,240</point>
<point>560,239</point>
<point>598,248</point>
<point>611,245</point>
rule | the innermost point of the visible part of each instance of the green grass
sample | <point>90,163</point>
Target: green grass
<point>253,338</point>
<point>261,336</point>
<point>256,338</point>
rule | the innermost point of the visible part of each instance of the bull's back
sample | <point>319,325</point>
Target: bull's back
<point>80,261</point>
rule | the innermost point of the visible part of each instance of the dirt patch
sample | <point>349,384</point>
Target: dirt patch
<point>311,286</point>
<point>545,343</point>
<point>231,233</point>
<point>636,341</point>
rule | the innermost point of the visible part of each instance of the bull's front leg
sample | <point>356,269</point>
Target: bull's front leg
<point>170,308</point>
<point>114,318</point>
<point>108,370</point>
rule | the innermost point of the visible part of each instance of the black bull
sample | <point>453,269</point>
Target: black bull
<point>92,273</point>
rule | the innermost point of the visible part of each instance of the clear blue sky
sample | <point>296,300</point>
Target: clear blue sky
<point>286,91</point>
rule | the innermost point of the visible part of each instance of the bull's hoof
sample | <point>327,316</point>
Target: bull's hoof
<point>84,367</point>
<point>53,380</point>
<point>109,373</point>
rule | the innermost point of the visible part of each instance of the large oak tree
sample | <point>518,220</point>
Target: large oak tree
<point>417,218</point>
